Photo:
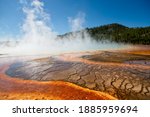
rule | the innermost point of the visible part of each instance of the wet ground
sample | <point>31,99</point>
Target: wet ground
<point>122,74</point>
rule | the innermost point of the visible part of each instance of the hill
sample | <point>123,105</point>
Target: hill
<point>119,33</point>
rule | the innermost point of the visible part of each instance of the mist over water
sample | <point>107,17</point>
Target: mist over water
<point>39,38</point>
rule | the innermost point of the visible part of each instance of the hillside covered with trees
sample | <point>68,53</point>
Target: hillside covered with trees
<point>119,33</point>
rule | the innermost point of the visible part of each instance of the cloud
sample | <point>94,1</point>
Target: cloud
<point>77,22</point>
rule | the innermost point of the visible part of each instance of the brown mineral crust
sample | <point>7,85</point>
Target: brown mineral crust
<point>14,88</point>
<point>122,74</point>
<point>144,52</point>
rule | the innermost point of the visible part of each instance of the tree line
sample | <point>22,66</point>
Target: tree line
<point>119,33</point>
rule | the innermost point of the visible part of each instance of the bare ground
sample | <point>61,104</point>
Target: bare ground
<point>121,74</point>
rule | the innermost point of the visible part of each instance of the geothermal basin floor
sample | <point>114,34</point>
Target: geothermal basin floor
<point>89,75</point>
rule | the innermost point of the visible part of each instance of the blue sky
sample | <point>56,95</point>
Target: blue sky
<point>132,13</point>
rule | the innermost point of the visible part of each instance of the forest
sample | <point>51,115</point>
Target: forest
<point>117,33</point>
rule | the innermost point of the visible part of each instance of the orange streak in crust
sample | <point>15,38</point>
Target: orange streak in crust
<point>14,88</point>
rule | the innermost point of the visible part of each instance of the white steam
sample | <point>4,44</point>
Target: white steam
<point>77,22</point>
<point>39,38</point>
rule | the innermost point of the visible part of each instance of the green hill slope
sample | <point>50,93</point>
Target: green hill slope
<point>118,33</point>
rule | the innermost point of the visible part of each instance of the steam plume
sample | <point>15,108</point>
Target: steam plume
<point>39,38</point>
<point>77,22</point>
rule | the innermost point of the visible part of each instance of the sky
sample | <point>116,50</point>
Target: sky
<point>91,13</point>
